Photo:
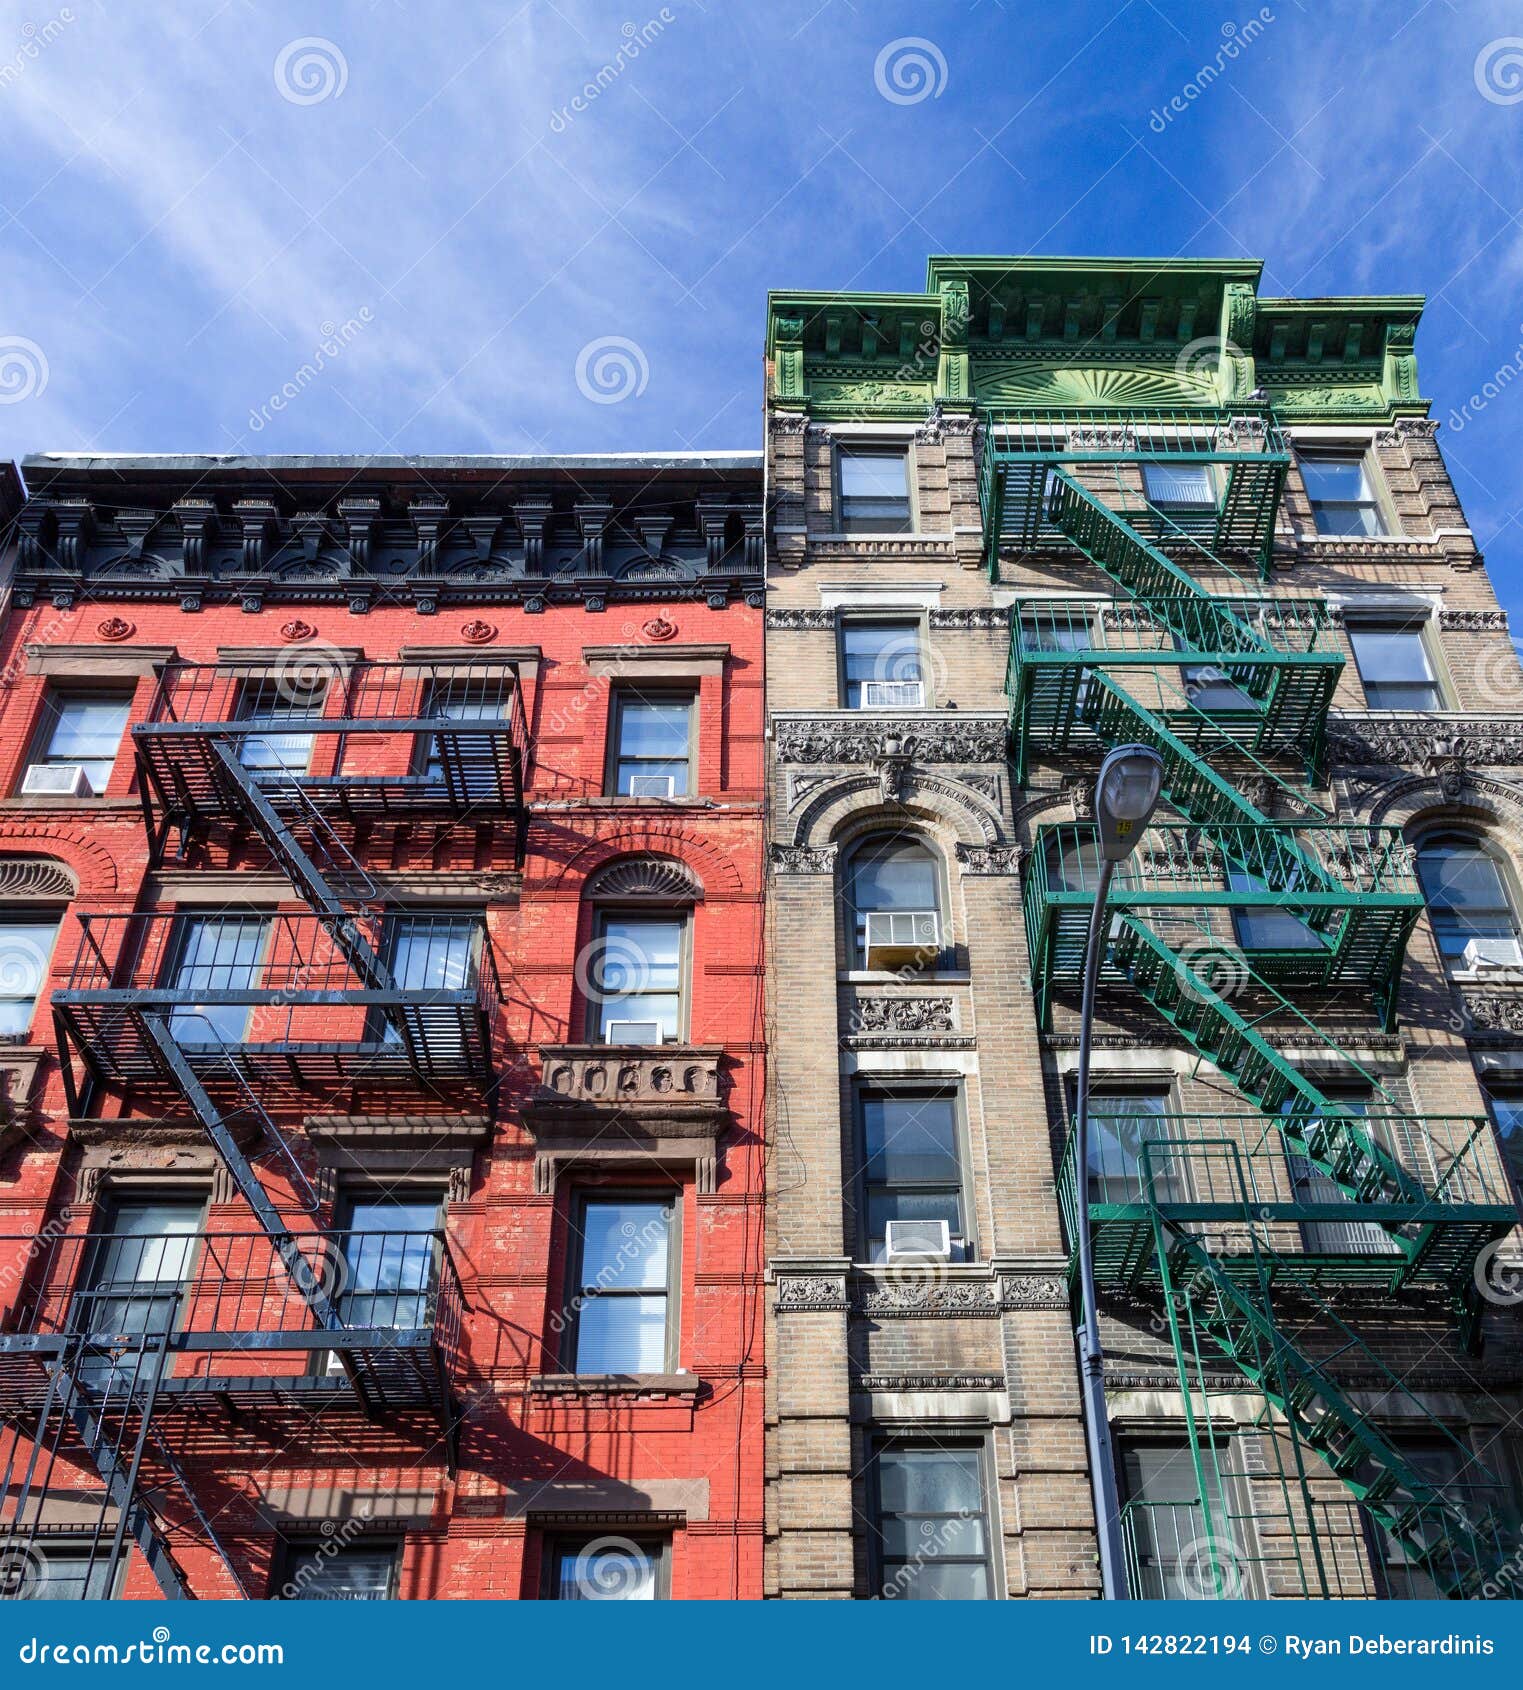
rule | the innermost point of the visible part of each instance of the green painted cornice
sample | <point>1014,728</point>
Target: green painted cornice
<point>1092,332</point>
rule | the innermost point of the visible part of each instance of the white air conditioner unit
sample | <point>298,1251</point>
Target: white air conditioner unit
<point>58,780</point>
<point>893,695</point>
<point>652,786</point>
<point>904,1240</point>
<point>903,938</point>
<point>1496,952</point>
<point>632,1033</point>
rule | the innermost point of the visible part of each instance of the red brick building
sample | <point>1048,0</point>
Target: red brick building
<point>381,897</point>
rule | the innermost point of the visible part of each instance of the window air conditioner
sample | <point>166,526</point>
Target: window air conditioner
<point>652,786</point>
<point>58,780</point>
<point>905,1240</point>
<point>632,1033</point>
<point>1498,951</point>
<point>893,695</point>
<point>903,938</point>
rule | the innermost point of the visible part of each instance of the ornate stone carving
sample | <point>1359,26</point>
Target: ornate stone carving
<point>1494,1012</point>
<point>26,878</point>
<point>786,423</point>
<point>1474,621</point>
<point>1081,794</point>
<point>804,859</point>
<point>927,1292</point>
<point>1425,740</point>
<point>903,1015</point>
<point>659,628</point>
<point>811,617</point>
<point>931,1382</point>
<point>858,737</point>
<point>297,630</point>
<point>478,632</point>
<point>644,877</point>
<point>116,628</point>
<point>1033,1291</point>
<point>983,616</point>
<point>990,859</point>
<point>812,1293</point>
<point>625,1076</point>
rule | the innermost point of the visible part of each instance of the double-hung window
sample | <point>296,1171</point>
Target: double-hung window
<point>1121,1125</point>
<point>880,663</point>
<point>1343,500</point>
<point>215,953</point>
<point>1469,903</point>
<point>894,890</point>
<point>652,739</point>
<point>80,735</point>
<point>911,1162</point>
<point>135,1280</point>
<point>1271,926</point>
<point>463,761</point>
<point>620,1295</point>
<point>636,976</point>
<point>324,1571</point>
<point>57,1571</point>
<point>873,486</point>
<point>26,953</point>
<point>607,1569</point>
<point>391,1251</point>
<point>1395,665</point>
<point>1183,1545</point>
<point>1311,1185</point>
<point>266,747</point>
<point>931,1522</point>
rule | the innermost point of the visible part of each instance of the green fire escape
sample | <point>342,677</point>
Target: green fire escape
<point>1239,1230</point>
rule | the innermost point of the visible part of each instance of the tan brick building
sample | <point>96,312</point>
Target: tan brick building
<point>1045,507</point>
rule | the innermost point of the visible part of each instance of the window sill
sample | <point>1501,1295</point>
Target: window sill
<point>50,801</point>
<point>1505,974</point>
<point>615,1385</point>
<point>895,976</point>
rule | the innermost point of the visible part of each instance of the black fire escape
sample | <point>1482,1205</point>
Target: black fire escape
<point>119,1350</point>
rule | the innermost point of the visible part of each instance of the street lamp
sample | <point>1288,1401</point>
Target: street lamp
<point>1125,795</point>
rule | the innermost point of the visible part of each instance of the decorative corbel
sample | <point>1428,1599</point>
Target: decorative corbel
<point>483,528</point>
<point>592,518</point>
<point>712,521</point>
<point>200,528</point>
<point>312,533</point>
<point>259,522</point>
<point>76,529</point>
<point>359,517</point>
<point>136,526</point>
<point>653,528</point>
<point>429,517</point>
<point>533,518</point>
<point>891,764</point>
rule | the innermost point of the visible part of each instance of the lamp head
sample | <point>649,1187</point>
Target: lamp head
<point>1126,794</point>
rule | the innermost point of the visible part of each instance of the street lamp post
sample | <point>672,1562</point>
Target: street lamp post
<point>1125,795</point>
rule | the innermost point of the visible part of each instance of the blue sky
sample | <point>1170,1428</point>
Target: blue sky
<point>197,198</point>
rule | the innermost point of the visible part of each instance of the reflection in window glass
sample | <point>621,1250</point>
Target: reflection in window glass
<point>1342,500</point>
<point>621,1287</point>
<point>911,1161</point>
<point>1468,903</point>
<point>932,1524</point>
<point>1394,666</point>
<point>875,491</point>
<point>84,730</point>
<point>653,746</point>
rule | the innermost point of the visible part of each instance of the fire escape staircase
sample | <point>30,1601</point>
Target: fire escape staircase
<point>1090,697</point>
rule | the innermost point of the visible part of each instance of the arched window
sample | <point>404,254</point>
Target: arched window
<point>1470,902</point>
<point>636,967</point>
<point>893,887</point>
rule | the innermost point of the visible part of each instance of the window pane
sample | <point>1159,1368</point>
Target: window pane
<point>910,1140</point>
<point>87,731</point>
<point>1267,928</point>
<point>1335,478</point>
<point>896,1203</point>
<point>874,475</point>
<point>624,1245</point>
<point>265,706</point>
<point>349,1575</point>
<point>651,729</point>
<point>217,954</point>
<point>900,876</point>
<point>389,1263</point>
<point>1391,654</point>
<point>1507,1112</point>
<point>930,1481</point>
<point>431,955</point>
<point>26,950</point>
<point>637,972</point>
<point>1468,901</point>
<point>611,1572</point>
<point>621,1335</point>
<point>1119,1126</point>
<point>471,754</point>
<point>886,653</point>
<point>66,1575</point>
<point>1186,486</point>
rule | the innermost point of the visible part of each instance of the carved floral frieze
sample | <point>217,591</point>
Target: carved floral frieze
<point>860,737</point>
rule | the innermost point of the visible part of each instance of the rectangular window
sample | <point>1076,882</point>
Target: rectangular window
<point>1120,1124</point>
<point>266,749</point>
<point>1394,665</point>
<point>1268,927</point>
<point>931,1522</point>
<point>52,1571</point>
<point>322,1571</point>
<point>637,978</point>
<point>911,1162</point>
<point>78,742</point>
<point>652,739</point>
<point>134,1280</point>
<point>1166,1526</point>
<point>426,954</point>
<point>1506,1105</point>
<point>215,953</point>
<point>1311,1185</point>
<point>391,1253</point>
<point>874,487</point>
<point>1342,498</point>
<point>26,954</point>
<point>1464,1480</point>
<point>464,762</point>
<point>1179,487</point>
<point>607,1569</point>
<point>620,1287</point>
<point>880,664</point>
